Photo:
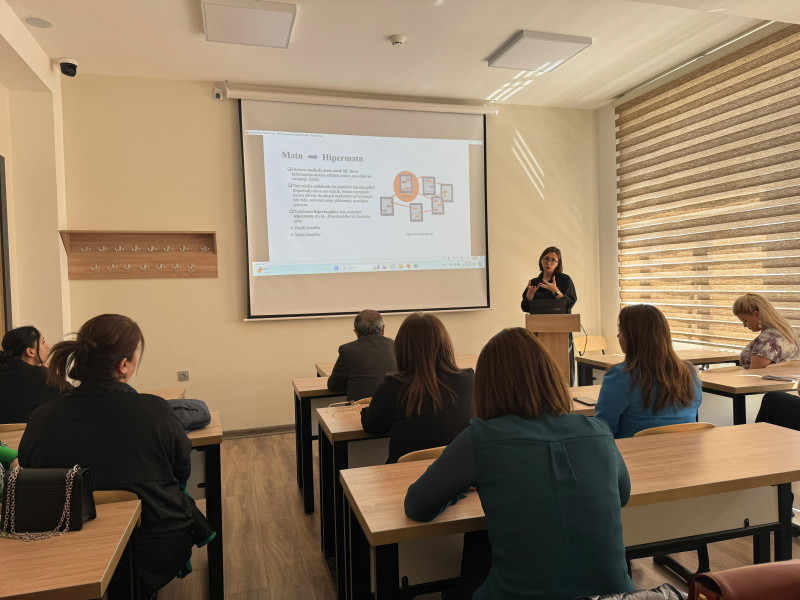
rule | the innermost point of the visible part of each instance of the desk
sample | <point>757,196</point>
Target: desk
<point>718,466</point>
<point>464,361</point>
<point>339,427</point>
<point>736,383</point>
<point>75,566</point>
<point>207,440</point>
<point>604,362</point>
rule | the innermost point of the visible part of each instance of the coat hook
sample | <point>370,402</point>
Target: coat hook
<point>176,266</point>
<point>127,267</point>
<point>95,268</point>
<point>183,248</point>
<point>151,249</point>
<point>119,248</point>
<point>159,267</point>
<point>204,248</point>
<point>112,267</point>
<point>102,249</point>
<point>191,266</point>
<point>144,267</point>
<point>86,249</point>
<point>135,249</point>
<point>167,248</point>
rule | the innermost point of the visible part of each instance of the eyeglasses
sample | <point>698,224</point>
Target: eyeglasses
<point>549,260</point>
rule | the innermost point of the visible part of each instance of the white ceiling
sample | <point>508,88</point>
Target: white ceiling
<point>342,45</point>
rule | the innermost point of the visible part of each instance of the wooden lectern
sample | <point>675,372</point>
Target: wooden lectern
<point>553,331</point>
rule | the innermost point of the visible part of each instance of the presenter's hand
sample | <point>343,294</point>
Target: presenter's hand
<point>531,291</point>
<point>550,286</point>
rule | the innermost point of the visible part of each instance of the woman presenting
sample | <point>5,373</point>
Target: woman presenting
<point>552,283</point>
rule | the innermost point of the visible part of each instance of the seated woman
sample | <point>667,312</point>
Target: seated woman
<point>428,402</point>
<point>130,441</point>
<point>540,472</point>
<point>23,375</point>
<point>653,387</point>
<point>776,341</point>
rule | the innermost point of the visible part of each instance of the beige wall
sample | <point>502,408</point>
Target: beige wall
<point>31,142</point>
<point>159,155</point>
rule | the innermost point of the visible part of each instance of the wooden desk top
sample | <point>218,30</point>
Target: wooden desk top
<point>169,393</point>
<point>662,468</point>
<point>343,423</point>
<point>75,566</point>
<point>208,435</point>
<point>737,380</point>
<point>464,361</point>
<point>696,357</point>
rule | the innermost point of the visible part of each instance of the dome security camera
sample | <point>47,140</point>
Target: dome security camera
<point>69,66</point>
<point>397,40</point>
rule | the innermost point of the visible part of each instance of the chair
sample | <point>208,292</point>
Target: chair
<point>588,344</point>
<point>363,401</point>
<point>665,560</point>
<point>676,428</point>
<point>12,426</point>
<point>422,454</point>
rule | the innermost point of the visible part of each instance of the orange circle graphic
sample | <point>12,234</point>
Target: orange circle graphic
<point>406,186</point>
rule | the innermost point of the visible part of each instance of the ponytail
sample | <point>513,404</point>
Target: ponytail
<point>17,341</point>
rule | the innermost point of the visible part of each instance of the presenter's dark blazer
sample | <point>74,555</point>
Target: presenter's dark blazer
<point>362,365</point>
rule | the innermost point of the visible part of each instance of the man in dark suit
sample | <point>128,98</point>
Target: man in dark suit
<point>364,363</point>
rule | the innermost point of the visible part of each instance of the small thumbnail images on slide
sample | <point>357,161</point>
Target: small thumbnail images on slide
<point>406,190</point>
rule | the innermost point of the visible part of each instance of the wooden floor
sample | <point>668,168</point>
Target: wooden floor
<point>272,548</point>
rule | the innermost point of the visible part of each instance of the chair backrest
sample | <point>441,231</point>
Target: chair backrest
<point>588,344</point>
<point>12,426</point>
<point>422,454</point>
<point>364,401</point>
<point>674,428</point>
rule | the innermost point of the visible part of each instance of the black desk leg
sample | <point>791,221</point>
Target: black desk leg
<point>387,572</point>
<point>783,535</point>
<point>306,455</point>
<point>760,548</point>
<point>739,409</point>
<point>359,576</point>
<point>124,584</point>
<point>298,448</point>
<point>216,568</point>
<point>585,374</point>
<point>340,461</point>
<point>326,495</point>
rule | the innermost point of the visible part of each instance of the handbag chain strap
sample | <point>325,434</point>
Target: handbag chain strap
<point>9,520</point>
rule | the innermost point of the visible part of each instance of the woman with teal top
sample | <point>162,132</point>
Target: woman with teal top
<point>653,387</point>
<point>551,483</point>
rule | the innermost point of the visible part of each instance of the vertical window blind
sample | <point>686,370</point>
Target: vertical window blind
<point>708,172</point>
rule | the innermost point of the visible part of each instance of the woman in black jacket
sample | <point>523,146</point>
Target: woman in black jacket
<point>23,374</point>
<point>428,402</point>
<point>552,284</point>
<point>130,441</point>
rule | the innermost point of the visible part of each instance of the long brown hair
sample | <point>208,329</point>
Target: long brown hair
<point>517,375</point>
<point>92,357</point>
<point>650,359</point>
<point>423,351</point>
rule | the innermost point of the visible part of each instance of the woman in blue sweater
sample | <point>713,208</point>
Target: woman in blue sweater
<point>551,483</point>
<point>653,387</point>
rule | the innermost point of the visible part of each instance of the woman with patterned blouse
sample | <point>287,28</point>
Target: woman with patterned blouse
<point>776,341</point>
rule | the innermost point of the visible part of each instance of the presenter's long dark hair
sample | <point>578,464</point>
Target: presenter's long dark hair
<point>17,341</point>
<point>423,351</point>
<point>99,346</point>
<point>651,360</point>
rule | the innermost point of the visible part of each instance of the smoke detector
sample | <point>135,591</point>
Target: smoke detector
<point>397,40</point>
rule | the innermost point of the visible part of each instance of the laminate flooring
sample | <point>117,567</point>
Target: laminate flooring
<point>272,548</point>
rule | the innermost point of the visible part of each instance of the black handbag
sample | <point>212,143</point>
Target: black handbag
<point>49,501</point>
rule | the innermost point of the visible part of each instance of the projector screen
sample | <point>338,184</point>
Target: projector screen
<point>352,208</point>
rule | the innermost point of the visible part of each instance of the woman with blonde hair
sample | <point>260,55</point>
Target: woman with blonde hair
<point>776,341</point>
<point>652,387</point>
<point>540,471</point>
<point>428,402</point>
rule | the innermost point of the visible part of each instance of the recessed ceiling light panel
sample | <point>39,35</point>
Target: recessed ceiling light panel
<point>250,22</point>
<point>38,22</point>
<point>536,51</point>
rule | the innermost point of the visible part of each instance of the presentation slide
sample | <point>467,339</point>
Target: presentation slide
<point>351,208</point>
<point>332,200</point>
